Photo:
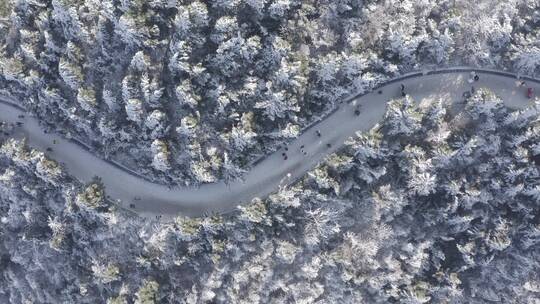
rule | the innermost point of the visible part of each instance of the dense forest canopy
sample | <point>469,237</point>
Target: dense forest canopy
<point>431,206</point>
<point>195,91</point>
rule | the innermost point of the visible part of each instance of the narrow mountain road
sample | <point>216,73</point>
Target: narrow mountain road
<point>149,199</point>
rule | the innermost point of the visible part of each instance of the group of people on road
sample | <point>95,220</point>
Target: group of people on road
<point>284,154</point>
<point>302,150</point>
<point>473,78</point>
<point>302,147</point>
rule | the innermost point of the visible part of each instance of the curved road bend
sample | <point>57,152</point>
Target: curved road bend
<point>272,171</point>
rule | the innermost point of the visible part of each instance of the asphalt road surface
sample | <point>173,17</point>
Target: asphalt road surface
<point>125,187</point>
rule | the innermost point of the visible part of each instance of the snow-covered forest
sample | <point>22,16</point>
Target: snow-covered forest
<point>429,207</point>
<point>432,206</point>
<point>189,92</point>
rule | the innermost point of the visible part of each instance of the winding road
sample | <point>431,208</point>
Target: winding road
<point>272,171</point>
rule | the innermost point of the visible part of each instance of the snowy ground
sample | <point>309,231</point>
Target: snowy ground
<point>273,171</point>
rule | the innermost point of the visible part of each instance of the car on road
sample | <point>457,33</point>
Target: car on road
<point>530,93</point>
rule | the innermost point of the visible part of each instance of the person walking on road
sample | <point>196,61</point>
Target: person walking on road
<point>402,86</point>
<point>471,77</point>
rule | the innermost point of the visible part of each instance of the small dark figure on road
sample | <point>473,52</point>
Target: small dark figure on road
<point>329,145</point>
<point>286,149</point>
<point>473,89</point>
<point>20,116</point>
<point>402,87</point>
<point>132,206</point>
<point>19,123</point>
<point>302,147</point>
<point>283,154</point>
<point>476,77</point>
<point>49,149</point>
<point>357,112</point>
<point>286,157</point>
<point>380,92</point>
<point>318,133</point>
